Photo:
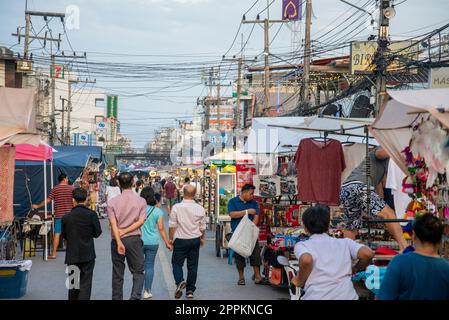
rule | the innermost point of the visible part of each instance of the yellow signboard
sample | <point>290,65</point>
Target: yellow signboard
<point>363,52</point>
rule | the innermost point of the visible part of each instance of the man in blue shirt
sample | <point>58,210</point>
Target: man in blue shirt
<point>238,207</point>
<point>422,274</point>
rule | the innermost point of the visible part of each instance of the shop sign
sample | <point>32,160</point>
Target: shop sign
<point>24,66</point>
<point>57,71</point>
<point>112,107</point>
<point>439,78</point>
<point>363,52</point>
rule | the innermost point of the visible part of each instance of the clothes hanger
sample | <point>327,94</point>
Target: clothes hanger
<point>348,143</point>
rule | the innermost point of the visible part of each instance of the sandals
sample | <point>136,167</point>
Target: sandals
<point>261,282</point>
<point>241,282</point>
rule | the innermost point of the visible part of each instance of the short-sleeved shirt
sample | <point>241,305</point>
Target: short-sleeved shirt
<point>170,189</point>
<point>413,276</point>
<point>127,208</point>
<point>157,187</point>
<point>331,275</point>
<point>237,204</point>
<point>150,230</point>
<point>62,196</point>
<point>378,170</point>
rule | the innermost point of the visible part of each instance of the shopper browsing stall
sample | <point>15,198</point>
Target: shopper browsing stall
<point>354,197</point>
<point>62,196</point>
<point>238,207</point>
<point>325,263</point>
<point>422,274</point>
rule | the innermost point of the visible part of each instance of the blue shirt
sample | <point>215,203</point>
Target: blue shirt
<point>237,204</point>
<point>150,231</point>
<point>413,276</point>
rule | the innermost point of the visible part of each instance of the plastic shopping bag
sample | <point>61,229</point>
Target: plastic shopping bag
<point>244,238</point>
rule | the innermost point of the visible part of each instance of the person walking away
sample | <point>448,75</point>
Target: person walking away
<point>187,227</point>
<point>151,229</point>
<point>62,196</point>
<point>127,213</point>
<point>157,187</point>
<point>422,274</point>
<point>238,207</point>
<point>325,263</point>
<point>354,196</point>
<point>163,182</point>
<point>170,193</point>
<point>139,187</point>
<point>79,228</point>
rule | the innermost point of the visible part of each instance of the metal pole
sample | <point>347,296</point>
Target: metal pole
<point>69,109</point>
<point>239,88</point>
<point>45,210</point>
<point>307,52</point>
<point>267,66</point>
<point>53,102</point>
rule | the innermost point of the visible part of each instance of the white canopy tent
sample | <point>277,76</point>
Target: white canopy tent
<point>393,129</point>
<point>17,116</point>
<point>283,134</point>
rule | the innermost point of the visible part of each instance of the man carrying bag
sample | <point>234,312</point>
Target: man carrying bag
<point>243,209</point>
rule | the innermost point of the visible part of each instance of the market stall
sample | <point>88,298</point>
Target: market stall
<point>281,145</point>
<point>223,178</point>
<point>413,128</point>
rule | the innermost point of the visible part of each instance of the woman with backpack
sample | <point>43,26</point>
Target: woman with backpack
<point>151,229</point>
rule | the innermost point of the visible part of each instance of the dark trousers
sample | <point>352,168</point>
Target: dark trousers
<point>86,272</point>
<point>186,249</point>
<point>135,260</point>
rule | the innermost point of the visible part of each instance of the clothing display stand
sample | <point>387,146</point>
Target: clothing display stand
<point>366,138</point>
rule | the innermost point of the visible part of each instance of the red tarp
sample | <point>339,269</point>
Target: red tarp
<point>28,152</point>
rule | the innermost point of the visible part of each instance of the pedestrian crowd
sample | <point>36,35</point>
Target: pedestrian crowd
<point>326,264</point>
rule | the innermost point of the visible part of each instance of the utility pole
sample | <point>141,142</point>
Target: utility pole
<point>240,61</point>
<point>62,117</point>
<point>266,26</point>
<point>26,46</point>
<point>307,51</point>
<point>381,67</point>
<point>69,106</point>
<point>53,101</point>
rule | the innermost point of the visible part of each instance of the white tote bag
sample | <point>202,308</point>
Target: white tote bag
<point>244,237</point>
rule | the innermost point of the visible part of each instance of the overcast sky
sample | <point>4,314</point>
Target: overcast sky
<point>198,27</point>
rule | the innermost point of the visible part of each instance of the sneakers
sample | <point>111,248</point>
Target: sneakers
<point>181,286</point>
<point>147,294</point>
<point>189,295</point>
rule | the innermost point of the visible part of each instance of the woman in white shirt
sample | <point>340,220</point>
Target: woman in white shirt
<point>112,190</point>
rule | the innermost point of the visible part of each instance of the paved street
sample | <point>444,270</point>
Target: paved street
<point>217,280</point>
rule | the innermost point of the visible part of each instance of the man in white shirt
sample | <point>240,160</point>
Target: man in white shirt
<point>325,263</point>
<point>187,227</point>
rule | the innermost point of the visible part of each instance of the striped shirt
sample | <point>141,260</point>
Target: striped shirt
<point>62,196</point>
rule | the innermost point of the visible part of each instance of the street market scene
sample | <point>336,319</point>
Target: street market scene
<point>278,150</point>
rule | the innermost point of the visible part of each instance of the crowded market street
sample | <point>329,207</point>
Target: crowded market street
<point>217,280</point>
<point>234,157</point>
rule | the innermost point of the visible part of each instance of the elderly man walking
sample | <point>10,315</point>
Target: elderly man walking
<point>187,226</point>
<point>127,213</point>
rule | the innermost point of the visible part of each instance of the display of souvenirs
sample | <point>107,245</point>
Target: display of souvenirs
<point>289,186</point>
<point>245,173</point>
<point>293,216</point>
<point>267,186</point>
<point>280,219</point>
<point>266,214</point>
